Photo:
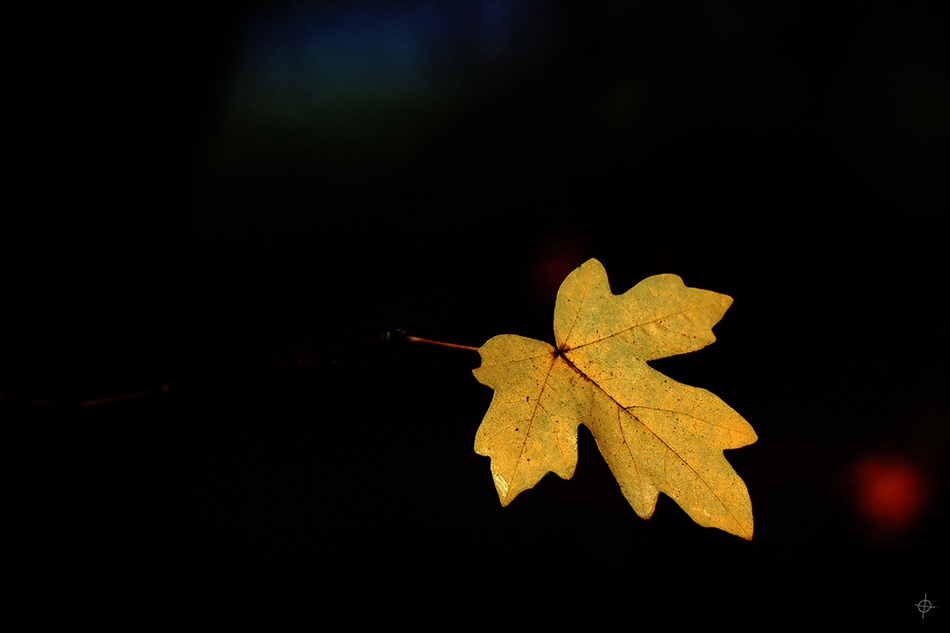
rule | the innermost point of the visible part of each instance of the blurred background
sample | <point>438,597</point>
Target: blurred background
<point>211,191</point>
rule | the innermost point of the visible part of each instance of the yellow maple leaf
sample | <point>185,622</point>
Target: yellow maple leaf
<point>656,434</point>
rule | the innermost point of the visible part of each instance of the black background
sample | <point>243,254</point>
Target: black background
<point>792,156</point>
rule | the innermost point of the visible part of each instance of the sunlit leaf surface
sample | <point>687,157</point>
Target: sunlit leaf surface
<point>656,434</point>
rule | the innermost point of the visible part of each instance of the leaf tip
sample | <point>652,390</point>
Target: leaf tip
<point>501,485</point>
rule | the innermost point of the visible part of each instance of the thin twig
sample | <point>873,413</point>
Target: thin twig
<point>416,339</point>
<point>303,362</point>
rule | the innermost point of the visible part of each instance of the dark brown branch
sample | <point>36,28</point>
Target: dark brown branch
<point>304,362</point>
